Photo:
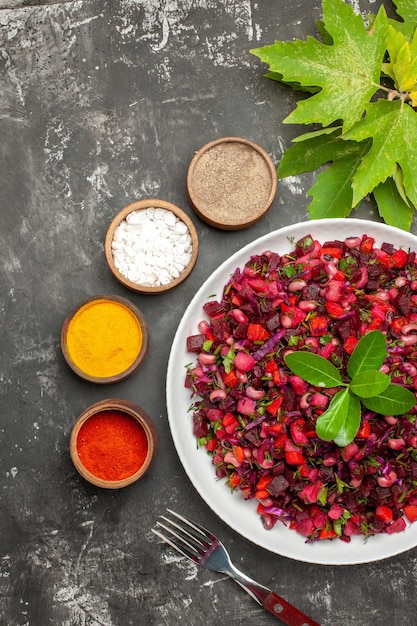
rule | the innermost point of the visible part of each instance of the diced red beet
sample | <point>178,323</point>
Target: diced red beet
<point>200,429</point>
<point>241,330</point>
<point>305,527</point>
<point>334,244</point>
<point>404,304</point>
<point>195,343</point>
<point>398,526</point>
<point>304,245</point>
<point>347,328</point>
<point>273,261</point>
<point>277,485</point>
<point>213,309</point>
<point>311,292</point>
<point>214,414</point>
<point>387,247</point>
<point>246,406</point>
<point>310,493</point>
<point>273,321</point>
<point>221,329</point>
<point>290,400</point>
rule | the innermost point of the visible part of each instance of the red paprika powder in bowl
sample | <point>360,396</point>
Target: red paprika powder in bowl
<point>113,443</point>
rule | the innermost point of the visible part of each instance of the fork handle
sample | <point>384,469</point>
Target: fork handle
<point>286,612</point>
<point>271,601</point>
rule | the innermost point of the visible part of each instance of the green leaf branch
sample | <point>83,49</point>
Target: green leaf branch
<point>367,386</point>
<point>362,81</point>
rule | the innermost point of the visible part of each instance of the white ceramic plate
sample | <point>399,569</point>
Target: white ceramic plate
<point>239,514</point>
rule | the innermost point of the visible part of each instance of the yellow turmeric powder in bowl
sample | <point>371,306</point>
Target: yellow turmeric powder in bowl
<point>105,339</point>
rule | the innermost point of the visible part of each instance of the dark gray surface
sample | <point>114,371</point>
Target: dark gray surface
<point>104,102</point>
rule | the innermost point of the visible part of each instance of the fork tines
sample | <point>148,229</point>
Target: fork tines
<point>187,537</point>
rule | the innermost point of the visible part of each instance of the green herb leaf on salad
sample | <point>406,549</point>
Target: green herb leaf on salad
<point>331,421</point>
<point>369,383</point>
<point>228,360</point>
<point>341,421</point>
<point>351,424</point>
<point>314,369</point>
<point>394,400</point>
<point>369,354</point>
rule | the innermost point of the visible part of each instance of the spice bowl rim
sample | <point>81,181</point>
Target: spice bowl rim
<point>205,214</point>
<point>143,351</point>
<point>129,408</point>
<point>141,205</point>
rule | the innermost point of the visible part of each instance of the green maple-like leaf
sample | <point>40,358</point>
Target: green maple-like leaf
<point>295,86</point>
<point>407,9</point>
<point>391,205</point>
<point>355,63</point>
<point>312,150</point>
<point>402,63</point>
<point>393,129</point>
<point>332,192</point>
<point>347,72</point>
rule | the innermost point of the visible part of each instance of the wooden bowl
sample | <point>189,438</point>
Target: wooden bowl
<point>143,205</point>
<point>105,337</point>
<point>231,183</point>
<point>129,412</point>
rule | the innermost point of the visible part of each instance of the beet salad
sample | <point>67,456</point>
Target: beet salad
<point>257,419</point>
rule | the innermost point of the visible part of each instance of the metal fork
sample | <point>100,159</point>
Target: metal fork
<point>201,546</point>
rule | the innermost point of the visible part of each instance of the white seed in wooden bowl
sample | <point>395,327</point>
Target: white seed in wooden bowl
<point>151,247</point>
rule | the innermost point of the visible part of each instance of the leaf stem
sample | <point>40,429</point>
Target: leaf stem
<point>394,93</point>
